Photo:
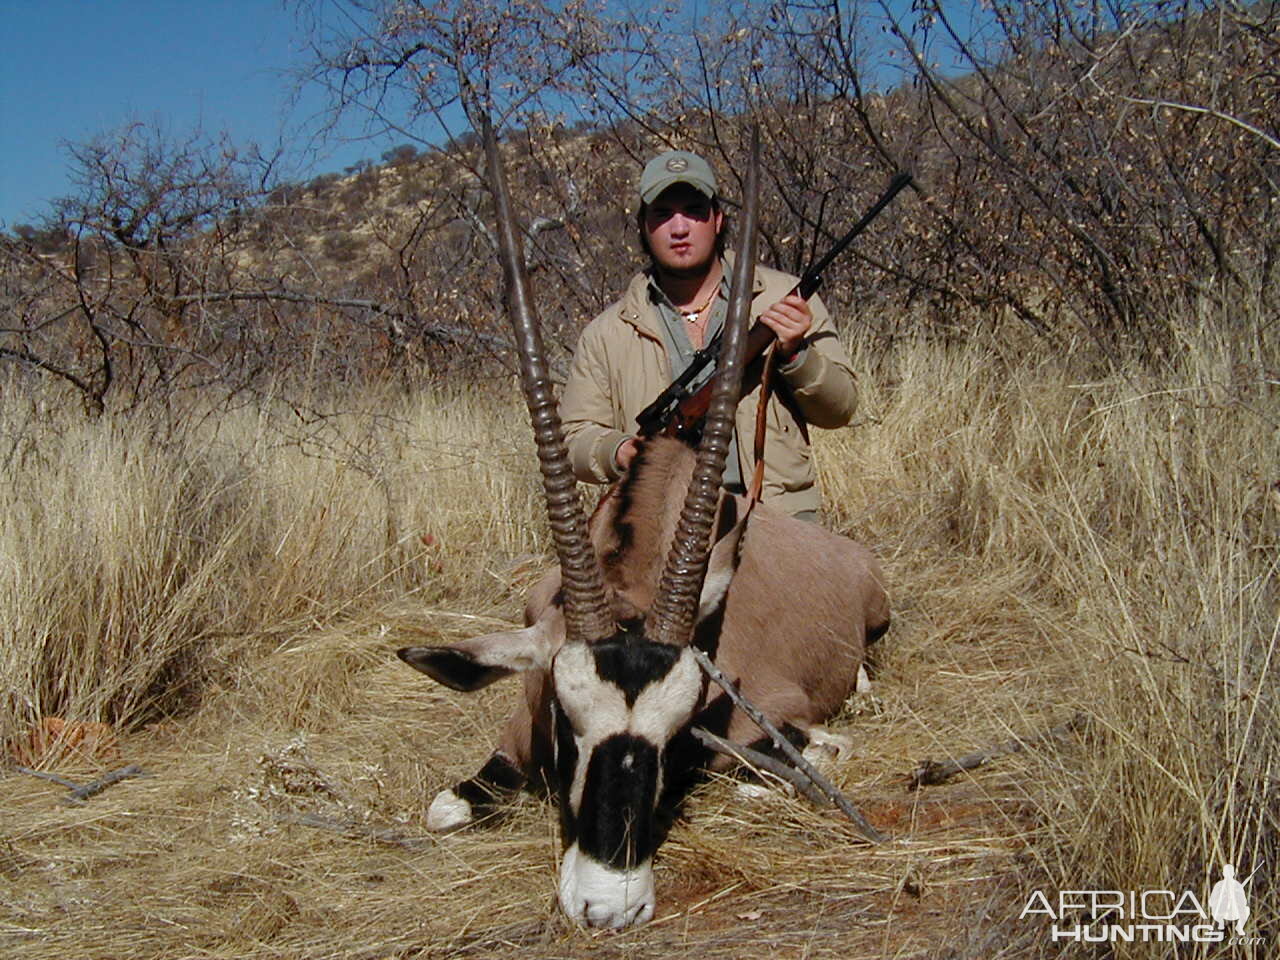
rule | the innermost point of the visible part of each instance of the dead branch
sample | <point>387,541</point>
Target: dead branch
<point>51,777</point>
<point>83,793</point>
<point>932,772</point>
<point>80,792</point>
<point>827,788</point>
<point>446,333</point>
<point>760,761</point>
<point>1155,105</point>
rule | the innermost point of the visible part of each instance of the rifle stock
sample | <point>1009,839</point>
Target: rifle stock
<point>685,420</point>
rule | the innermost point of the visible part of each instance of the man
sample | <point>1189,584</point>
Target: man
<point>635,348</point>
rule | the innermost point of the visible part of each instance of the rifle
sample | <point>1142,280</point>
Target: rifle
<point>678,411</point>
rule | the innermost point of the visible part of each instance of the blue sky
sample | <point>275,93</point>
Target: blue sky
<point>74,68</point>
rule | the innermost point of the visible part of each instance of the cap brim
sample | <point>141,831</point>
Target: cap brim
<point>656,189</point>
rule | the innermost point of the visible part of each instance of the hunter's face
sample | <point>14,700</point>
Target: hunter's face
<point>681,227</point>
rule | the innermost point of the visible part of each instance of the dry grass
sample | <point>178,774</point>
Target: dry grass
<point>230,601</point>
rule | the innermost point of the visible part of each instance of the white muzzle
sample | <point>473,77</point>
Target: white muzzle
<point>597,895</point>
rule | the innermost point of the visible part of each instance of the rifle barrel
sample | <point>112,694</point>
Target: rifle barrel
<point>813,276</point>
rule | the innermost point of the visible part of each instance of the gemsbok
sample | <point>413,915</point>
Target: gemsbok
<point>612,689</point>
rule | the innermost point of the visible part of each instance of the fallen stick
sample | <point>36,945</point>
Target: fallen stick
<point>760,761</point>
<point>932,772</point>
<point>825,786</point>
<point>52,777</point>
<point>83,793</point>
<point>80,792</point>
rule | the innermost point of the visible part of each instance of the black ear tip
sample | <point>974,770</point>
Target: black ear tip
<point>418,657</point>
<point>430,659</point>
<point>456,669</point>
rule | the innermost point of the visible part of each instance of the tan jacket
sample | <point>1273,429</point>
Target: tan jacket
<point>621,365</point>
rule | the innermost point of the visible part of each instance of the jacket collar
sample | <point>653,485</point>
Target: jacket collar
<point>640,313</point>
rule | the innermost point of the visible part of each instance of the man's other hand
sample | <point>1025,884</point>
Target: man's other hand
<point>790,319</point>
<point>626,453</point>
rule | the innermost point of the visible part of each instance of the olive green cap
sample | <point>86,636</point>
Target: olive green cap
<point>676,166</point>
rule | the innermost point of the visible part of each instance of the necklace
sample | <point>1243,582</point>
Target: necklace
<point>693,315</point>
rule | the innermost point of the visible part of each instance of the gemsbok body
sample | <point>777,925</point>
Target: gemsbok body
<point>612,690</point>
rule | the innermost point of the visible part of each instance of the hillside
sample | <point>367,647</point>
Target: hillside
<point>1086,184</point>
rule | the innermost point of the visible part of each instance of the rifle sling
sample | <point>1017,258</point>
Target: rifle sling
<point>756,486</point>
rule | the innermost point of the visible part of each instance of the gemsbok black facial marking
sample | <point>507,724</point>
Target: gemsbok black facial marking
<point>616,814</point>
<point>620,787</point>
<point>566,762</point>
<point>631,667</point>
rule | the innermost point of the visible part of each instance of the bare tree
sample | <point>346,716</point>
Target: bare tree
<point>1114,159</point>
<point>154,220</point>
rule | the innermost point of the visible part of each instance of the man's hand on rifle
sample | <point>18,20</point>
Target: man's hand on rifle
<point>626,452</point>
<point>790,319</point>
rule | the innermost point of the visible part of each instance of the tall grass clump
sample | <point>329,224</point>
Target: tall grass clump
<point>1175,560</point>
<point>1070,544</point>
<point>136,550</point>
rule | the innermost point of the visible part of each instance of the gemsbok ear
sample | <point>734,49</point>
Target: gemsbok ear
<point>474,664</point>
